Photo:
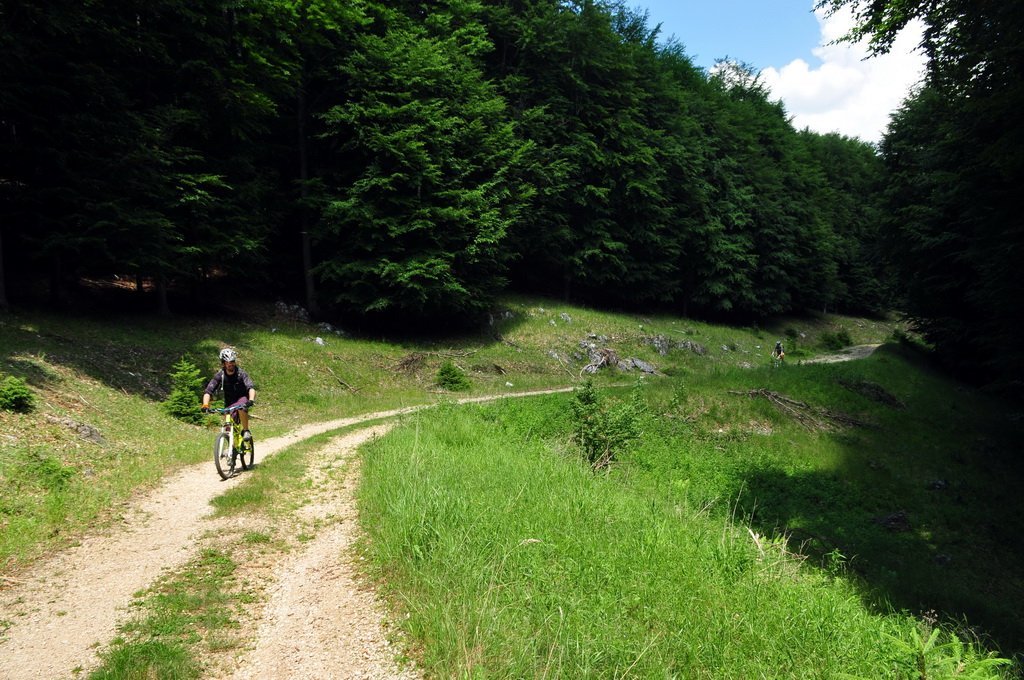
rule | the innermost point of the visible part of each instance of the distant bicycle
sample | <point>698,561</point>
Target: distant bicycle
<point>778,355</point>
<point>229,448</point>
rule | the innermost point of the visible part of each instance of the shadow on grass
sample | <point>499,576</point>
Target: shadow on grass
<point>924,510</point>
<point>114,342</point>
<point>907,559</point>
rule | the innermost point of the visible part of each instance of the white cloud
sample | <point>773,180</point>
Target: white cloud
<point>848,93</point>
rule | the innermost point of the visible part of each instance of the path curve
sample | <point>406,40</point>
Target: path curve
<point>67,607</point>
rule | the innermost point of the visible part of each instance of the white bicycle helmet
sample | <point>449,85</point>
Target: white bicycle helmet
<point>228,354</point>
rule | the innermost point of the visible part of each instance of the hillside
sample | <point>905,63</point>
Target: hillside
<point>97,441</point>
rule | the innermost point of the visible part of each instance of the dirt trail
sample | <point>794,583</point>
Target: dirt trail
<point>848,354</point>
<point>319,621</point>
<point>68,607</point>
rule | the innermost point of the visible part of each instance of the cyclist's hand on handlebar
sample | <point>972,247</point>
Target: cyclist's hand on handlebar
<point>249,403</point>
<point>204,409</point>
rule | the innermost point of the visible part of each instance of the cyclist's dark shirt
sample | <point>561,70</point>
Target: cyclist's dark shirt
<point>235,386</point>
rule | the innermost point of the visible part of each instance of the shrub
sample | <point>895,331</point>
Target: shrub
<point>451,377</point>
<point>186,387</point>
<point>837,340</point>
<point>603,429</point>
<point>15,395</point>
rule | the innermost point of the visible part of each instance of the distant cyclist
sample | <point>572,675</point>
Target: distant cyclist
<point>778,354</point>
<point>239,389</point>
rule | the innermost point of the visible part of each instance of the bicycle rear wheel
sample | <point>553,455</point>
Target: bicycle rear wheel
<point>247,452</point>
<point>223,458</point>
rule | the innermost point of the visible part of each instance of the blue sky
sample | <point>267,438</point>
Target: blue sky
<point>761,32</point>
<point>824,87</point>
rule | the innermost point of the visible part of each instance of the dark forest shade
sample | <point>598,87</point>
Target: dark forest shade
<point>412,160</point>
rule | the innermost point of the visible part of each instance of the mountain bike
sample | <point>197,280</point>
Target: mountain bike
<point>229,447</point>
<point>778,358</point>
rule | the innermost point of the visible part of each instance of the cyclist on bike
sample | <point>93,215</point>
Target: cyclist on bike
<point>778,353</point>
<point>239,389</point>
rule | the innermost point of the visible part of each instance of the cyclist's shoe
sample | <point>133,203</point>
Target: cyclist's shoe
<point>246,435</point>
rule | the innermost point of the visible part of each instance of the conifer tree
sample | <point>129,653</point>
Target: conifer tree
<point>186,389</point>
<point>425,188</point>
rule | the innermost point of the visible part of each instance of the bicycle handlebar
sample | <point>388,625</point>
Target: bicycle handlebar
<point>230,409</point>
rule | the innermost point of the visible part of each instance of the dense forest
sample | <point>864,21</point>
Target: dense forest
<point>414,159</point>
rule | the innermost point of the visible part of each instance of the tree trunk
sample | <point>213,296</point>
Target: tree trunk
<point>163,308</point>
<point>55,284</point>
<point>307,255</point>
<point>3,288</point>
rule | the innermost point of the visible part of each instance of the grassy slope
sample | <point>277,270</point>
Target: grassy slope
<point>741,457</point>
<point>654,564</point>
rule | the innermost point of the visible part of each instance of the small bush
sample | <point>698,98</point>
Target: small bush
<point>837,340</point>
<point>186,389</point>
<point>602,430</point>
<point>451,377</point>
<point>15,395</point>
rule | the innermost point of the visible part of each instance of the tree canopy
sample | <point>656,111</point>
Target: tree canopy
<point>401,160</point>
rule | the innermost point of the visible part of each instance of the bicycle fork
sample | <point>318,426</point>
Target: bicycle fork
<point>229,430</point>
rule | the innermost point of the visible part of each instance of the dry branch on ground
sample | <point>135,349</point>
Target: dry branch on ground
<point>811,417</point>
<point>873,391</point>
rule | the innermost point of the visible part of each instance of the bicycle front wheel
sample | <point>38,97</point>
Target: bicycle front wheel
<point>222,456</point>
<point>247,452</point>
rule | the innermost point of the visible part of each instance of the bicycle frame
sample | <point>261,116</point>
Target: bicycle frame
<point>225,457</point>
<point>230,421</point>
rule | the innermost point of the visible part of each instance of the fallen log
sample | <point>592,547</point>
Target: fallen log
<point>811,417</point>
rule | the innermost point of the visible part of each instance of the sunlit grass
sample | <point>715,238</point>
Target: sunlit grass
<point>273,486</point>
<point>508,557</point>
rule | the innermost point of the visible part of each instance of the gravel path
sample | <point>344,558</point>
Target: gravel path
<point>319,621</point>
<point>848,354</point>
<point>68,607</point>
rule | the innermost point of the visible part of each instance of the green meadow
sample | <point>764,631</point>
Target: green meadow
<point>720,518</point>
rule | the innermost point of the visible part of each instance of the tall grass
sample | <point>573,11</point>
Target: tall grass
<point>509,558</point>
